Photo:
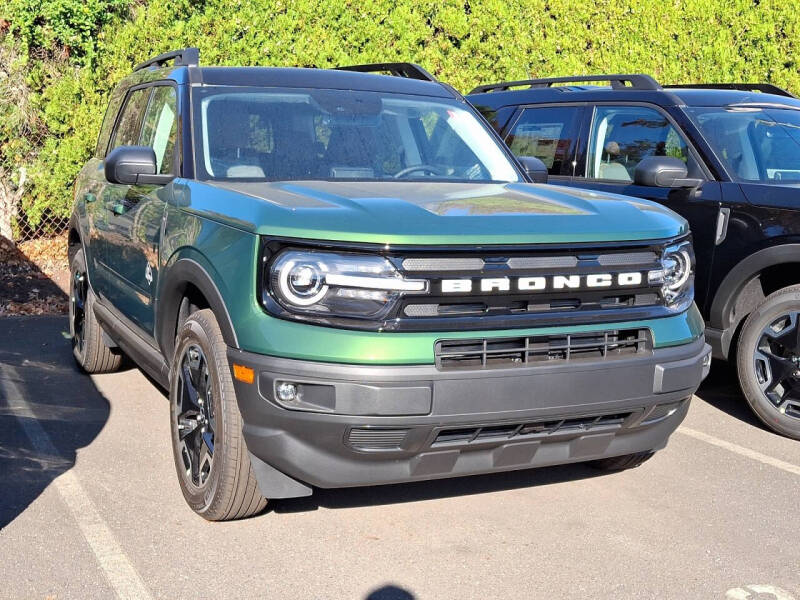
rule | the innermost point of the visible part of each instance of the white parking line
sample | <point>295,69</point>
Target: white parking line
<point>118,569</point>
<point>741,450</point>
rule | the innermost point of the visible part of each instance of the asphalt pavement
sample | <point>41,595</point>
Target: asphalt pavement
<point>90,508</point>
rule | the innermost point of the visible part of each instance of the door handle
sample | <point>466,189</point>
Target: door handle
<point>89,197</point>
<point>118,209</point>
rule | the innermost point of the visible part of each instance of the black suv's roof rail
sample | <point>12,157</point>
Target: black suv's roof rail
<point>766,88</point>
<point>398,69</point>
<point>186,56</point>
<point>637,81</point>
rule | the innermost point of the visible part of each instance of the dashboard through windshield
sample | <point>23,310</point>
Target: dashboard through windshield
<point>303,134</point>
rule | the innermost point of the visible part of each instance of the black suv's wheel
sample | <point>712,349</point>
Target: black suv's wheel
<point>620,463</point>
<point>768,361</point>
<point>210,454</point>
<point>88,346</point>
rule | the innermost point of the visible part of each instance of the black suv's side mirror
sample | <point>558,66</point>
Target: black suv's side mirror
<point>534,168</point>
<point>131,165</point>
<point>664,171</point>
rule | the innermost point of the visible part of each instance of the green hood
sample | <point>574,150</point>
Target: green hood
<point>428,213</point>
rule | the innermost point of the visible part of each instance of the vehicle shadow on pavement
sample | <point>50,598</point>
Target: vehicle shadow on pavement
<point>434,489</point>
<point>721,390</point>
<point>48,409</point>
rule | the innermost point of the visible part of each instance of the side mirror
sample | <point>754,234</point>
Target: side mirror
<point>534,168</point>
<point>130,165</point>
<point>664,171</point>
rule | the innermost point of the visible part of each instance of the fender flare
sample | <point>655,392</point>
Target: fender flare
<point>721,313</point>
<point>172,286</point>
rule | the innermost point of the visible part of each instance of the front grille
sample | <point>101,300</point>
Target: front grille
<point>508,431</point>
<point>376,439</point>
<point>498,353</point>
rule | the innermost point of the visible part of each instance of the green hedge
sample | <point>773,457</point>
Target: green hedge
<point>73,51</point>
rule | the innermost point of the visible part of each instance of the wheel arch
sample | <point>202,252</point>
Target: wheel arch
<point>180,285</point>
<point>752,279</point>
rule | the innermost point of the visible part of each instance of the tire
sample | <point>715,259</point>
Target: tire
<point>210,454</point>
<point>768,361</point>
<point>88,346</point>
<point>621,463</point>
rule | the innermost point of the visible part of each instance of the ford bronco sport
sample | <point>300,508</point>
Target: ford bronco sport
<point>343,278</point>
<point>726,157</point>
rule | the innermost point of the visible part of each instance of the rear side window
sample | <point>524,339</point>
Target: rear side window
<point>159,127</point>
<point>549,134</point>
<point>127,133</point>
<point>622,136</point>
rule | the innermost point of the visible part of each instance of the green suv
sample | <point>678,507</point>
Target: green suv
<point>344,278</point>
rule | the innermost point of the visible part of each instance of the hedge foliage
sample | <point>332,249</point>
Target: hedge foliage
<point>68,54</point>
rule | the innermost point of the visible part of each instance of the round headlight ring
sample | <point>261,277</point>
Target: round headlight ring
<point>683,268</point>
<point>302,283</point>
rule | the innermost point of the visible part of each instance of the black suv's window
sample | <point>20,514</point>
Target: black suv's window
<point>621,136</point>
<point>294,134</point>
<point>129,126</point>
<point>160,125</point>
<point>756,144</point>
<point>550,134</point>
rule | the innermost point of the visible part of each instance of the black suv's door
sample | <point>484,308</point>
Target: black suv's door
<point>130,234</point>
<point>617,137</point>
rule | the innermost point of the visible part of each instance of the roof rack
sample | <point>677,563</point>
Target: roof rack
<point>636,81</point>
<point>398,69</point>
<point>186,56</point>
<point>765,88</point>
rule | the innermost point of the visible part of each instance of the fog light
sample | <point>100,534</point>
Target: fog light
<point>287,392</point>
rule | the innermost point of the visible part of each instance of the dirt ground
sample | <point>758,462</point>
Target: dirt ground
<point>34,277</point>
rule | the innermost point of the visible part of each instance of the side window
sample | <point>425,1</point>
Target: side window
<point>108,121</point>
<point>160,127</point>
<point>549,134</point>
<point>622,136</point>
<point>127,133</point>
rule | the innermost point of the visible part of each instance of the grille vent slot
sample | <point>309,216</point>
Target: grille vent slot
<point>508,431</point>
<point>376,439</point>
<point>498,353</point>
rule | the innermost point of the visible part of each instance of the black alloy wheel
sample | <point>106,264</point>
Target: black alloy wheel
<point>776,361</point>
<point>768,361</point>
<point>195,422</point>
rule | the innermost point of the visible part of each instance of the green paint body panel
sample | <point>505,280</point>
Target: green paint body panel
<point>411,213</point>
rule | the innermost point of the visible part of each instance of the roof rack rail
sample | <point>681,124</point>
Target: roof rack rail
<point>186,56</point>
<point>636,81</point>
<point>398,69</point>
<point>766,88</point>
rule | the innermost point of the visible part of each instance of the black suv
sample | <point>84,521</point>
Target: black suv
<point>726,157</point>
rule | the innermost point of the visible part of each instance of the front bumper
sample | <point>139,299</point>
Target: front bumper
<point>362,425</point>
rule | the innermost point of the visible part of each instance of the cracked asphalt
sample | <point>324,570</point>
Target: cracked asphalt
<point>90,508</point>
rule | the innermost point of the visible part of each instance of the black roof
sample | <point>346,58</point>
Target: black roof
<point>627,88</point>
<point>182,66</point>
<point>314,78</point>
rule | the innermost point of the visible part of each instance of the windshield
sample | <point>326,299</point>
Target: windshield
<point>303,134</point>
<point>756,144</point>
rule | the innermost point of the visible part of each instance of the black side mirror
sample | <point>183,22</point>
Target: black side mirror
<point>534,168</point>
<point>131,165</point>
<point>664,171</point>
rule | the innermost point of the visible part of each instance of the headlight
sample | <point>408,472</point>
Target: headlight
<point>338,284</point>
<point>676,275</point>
